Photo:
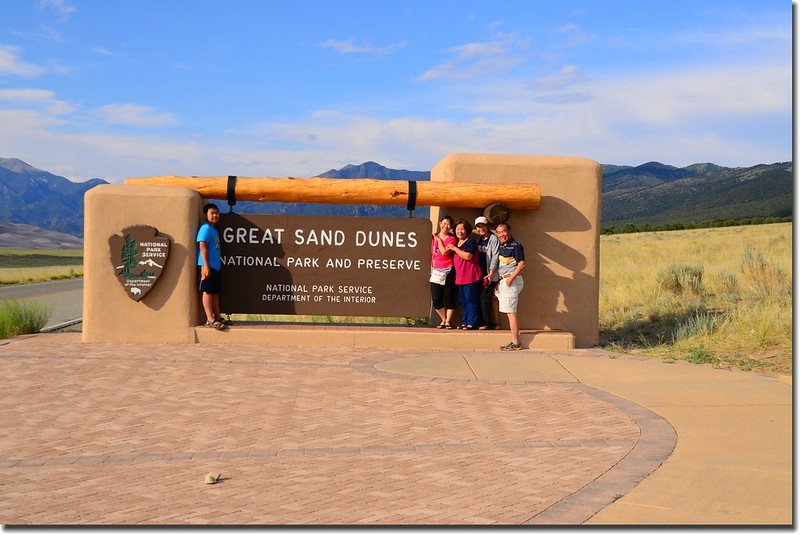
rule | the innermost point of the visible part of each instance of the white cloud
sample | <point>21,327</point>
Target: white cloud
<point>133,115</point>
<point>350,47</point>
<point>16,125</point>
<point>479,59</point>
<point>752,35</point>
<point>575,35</point>
<point>27,95</point>
<point>41,99</point>
<point>50,33</point>
<point>59,7</point>
<point>674,117</point>
<point>678,117</point>
<point>671,98</point>
<point>104,51</point>
<point>566,77</point>
<point>330,139</point>
<point>11,63</point>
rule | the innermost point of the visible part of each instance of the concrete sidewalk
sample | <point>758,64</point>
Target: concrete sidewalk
<point>124,434</point>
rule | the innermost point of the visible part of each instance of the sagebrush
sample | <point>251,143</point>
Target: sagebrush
<point>725,293</point>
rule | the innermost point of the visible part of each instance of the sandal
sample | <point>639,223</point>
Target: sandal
<point>441,325</point>
<point>217,325</point>
<point>224,321</point>
<point>447,326</point>
<point>482,328</point>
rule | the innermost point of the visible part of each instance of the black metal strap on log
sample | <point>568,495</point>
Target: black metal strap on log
<point>412,197</point>
<point>231,192</point>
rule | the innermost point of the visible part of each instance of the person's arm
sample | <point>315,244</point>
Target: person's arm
<point>517,271</point>
<point>463,254</point>
<point>205,271</point>
<point>443,249</point>
<point>494,256</point>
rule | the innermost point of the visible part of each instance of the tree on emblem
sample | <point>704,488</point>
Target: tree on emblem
<point>129,255</point>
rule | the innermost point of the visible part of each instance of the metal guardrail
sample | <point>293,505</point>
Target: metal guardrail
<point>62,325</point>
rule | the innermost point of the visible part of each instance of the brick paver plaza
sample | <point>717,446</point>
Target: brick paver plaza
<point>125,434</point>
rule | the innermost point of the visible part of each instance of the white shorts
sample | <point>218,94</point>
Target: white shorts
<point>508,296</point>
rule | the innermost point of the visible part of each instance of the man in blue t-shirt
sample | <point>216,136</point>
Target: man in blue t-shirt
<point>209,264</point>
<point>512,263</point>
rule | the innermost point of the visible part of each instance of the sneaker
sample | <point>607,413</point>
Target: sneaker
<point>511,347</point>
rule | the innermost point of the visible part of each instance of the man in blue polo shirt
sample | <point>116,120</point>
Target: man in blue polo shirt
<point>512,264</point>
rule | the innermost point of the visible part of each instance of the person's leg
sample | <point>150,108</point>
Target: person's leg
<point>512,323</point>
<point>508,305</point>
<point>437,298</point>
<point>208,306</point>
<point>450,299</point>
<point>473,297</point>
<point>489,306</point>
<point>215,304</point>
<point>486,307</point>
<point>463,299</point>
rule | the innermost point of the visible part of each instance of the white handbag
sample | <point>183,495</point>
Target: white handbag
<point>439,275</point>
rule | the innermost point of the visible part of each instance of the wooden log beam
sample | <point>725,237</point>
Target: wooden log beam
<point>356,191</point>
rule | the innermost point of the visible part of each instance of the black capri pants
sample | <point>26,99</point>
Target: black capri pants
<point>445,296</point>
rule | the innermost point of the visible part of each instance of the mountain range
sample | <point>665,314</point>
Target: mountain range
<point>655,193</point>
<point>652,193</point>
<point>365,170</point>
<point>34,197</point>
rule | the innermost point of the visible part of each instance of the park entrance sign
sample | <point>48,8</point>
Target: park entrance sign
<point>340,272</point>
<point>316,265</point>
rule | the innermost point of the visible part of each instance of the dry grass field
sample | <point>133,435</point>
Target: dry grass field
<point>721,296</point>
<point>19,266</point>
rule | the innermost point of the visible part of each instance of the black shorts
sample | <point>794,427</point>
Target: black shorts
<point>210,284</point>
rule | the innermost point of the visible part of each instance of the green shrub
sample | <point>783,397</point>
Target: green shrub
<point>729,287</point>
<point>22,318</point>
<point>698,324</point>
<point>681,279</point>
<point>698,355</point>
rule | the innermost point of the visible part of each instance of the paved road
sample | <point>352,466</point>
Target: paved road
<point>63,297</point>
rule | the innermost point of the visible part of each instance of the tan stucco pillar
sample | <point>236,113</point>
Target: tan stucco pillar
<point>561,239</point>
<point>169,312</point>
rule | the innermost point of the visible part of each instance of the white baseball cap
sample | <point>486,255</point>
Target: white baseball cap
<point>481,219</point>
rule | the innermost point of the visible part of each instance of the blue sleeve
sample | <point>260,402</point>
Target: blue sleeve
<point>204,233</point>
<point>470,246</point>
<point>519,253</point>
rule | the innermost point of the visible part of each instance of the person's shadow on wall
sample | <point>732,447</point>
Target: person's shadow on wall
<point>557,268</point>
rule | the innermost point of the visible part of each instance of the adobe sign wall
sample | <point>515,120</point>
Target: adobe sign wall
<point>278,264</point>
<point>305,272</point>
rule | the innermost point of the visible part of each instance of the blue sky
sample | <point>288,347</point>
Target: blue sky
<point>119,88</point>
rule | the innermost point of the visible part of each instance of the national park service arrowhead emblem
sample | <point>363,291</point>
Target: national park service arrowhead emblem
<point>138,255</point>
